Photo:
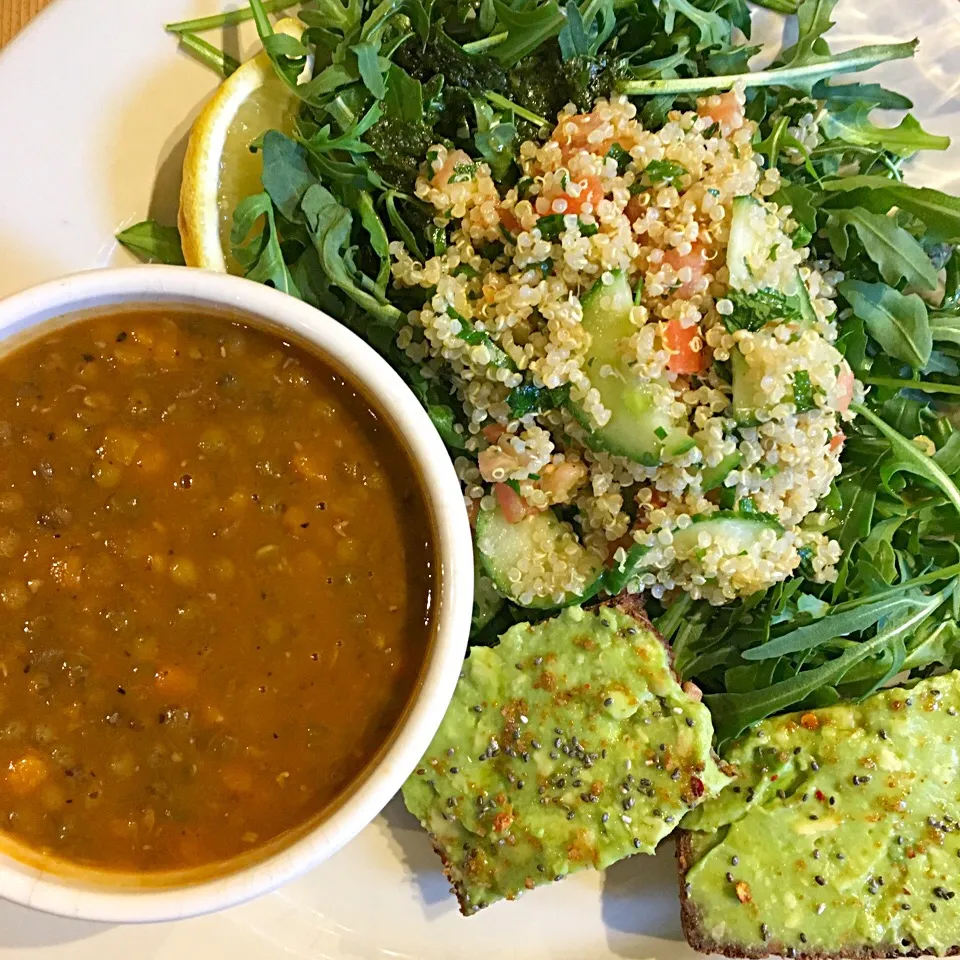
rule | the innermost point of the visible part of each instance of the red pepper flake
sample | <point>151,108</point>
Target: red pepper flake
<point>502,821</point>
<point>776,776</point>
<point>809,721</point>
<point>696,786</point>
<point>821,796</point>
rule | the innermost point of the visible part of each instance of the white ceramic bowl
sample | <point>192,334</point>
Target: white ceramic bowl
<point>97,895</point>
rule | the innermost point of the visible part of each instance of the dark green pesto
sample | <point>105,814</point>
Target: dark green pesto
<point>841,833</point>
<point>570,745</point>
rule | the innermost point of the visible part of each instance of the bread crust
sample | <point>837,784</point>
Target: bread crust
<point>700,940</point>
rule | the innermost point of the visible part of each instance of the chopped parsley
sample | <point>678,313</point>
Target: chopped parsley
<point>753,311</point>
<point>664,171</point>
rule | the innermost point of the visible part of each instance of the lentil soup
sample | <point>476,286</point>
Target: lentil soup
<point>216,573</point>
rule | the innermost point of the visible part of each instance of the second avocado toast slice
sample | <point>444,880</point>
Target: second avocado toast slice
<point>840,837</point>
<point>569,745</point>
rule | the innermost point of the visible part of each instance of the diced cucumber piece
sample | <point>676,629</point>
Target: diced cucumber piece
<point>738,530</point>
<point>506,547</point>
<point>639,428</point>
<point>713,477</point>
<point>748,396</point>
<point>746,241</point>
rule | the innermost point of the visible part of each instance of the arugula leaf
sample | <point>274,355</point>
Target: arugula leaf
<point>287,54</point>
<point>368,63</point>
<point>734,712</point>
<point>321,142</point>
<point>898,323</point>
<point>586,32</point>
<point>888,245</point>
<point>712,28</point>
<point>938,211</point>
<point>859,501</point>
<point>832,627</point>
<point>153,242</point>
<point>853,125</point>
<point>908,457</point>
<point>333,15</point>
<point>285,173</point>
<point>945,327</point>
<point>947,458</point>
<point>527,28</point>
<point>260,256</point>
<point>813,21</point>
<point>871,94</point>
<point>329,224</point>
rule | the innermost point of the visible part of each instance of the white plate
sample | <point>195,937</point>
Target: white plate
<point>94,108</point>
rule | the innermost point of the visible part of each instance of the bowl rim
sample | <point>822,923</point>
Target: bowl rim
<point>130,286</point>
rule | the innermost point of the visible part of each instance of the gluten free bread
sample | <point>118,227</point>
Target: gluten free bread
<point>840,837</point>
<point>569,745</point>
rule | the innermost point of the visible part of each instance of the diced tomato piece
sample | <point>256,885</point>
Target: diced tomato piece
<point>513,506</point>
<point>845,382</point>
<point>573,135</point>
<point>591,191</point>
<point>626,542</point>
<point>455,158</point>
<point>836,441</point>
<point>492,432</point>
<point>635,207</point>
<point>696,260</point>
<point>509,221</point>
<point>724,109</point>
<point>684,358</point>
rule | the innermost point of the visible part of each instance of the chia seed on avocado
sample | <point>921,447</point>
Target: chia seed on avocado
<point>875,872</point>
<point>599,686</point>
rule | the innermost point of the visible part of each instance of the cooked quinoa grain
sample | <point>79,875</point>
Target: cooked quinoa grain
<point>603,199</point>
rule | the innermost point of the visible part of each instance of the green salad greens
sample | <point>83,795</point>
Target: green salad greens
<point>392,78</point>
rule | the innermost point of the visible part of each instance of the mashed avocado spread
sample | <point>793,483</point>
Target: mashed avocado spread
<point>571,744</point>
<point>842,832</point>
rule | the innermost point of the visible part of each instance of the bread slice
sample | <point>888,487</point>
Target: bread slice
<point>843,838</point>
<point>568,746</point>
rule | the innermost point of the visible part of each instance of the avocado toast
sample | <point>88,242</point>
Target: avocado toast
<point>569,745</point>
<point>840,836</point>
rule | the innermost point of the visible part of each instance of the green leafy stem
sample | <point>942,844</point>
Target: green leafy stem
<point>851,62</point>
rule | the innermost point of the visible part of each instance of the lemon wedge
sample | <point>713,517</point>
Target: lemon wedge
<point>219,169</point>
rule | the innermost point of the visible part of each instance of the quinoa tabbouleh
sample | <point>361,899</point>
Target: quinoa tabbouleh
<point>200,525</point>
<point>602,201</point>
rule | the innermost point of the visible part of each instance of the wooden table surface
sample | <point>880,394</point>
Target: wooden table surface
<point>15,14</point>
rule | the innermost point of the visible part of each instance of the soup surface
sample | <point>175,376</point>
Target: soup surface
<point>215,584</point>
